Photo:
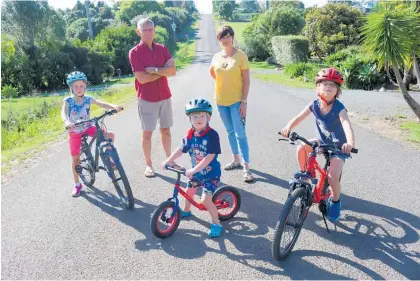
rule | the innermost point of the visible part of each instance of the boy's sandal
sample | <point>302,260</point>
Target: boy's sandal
<point>248,176</point>
<point>215,230</point>
<point>232,165</point>
<point>185,214</point>
<point>149,172</point>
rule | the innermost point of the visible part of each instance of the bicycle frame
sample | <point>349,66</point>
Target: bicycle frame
<point>179,190</point>
<point>312,168</point>
<point>100,146</point>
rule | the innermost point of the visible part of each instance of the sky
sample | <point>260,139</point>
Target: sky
<point>203,6</point>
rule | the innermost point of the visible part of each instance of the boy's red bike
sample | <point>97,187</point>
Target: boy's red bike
<point>166,218</point>
<point>305,190</point>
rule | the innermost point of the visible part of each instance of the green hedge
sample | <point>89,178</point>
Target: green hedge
<point>290,49</point>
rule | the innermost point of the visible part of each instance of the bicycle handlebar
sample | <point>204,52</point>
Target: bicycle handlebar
<point>167,167</point>
<point>95,119</point>
<point>294,136</point>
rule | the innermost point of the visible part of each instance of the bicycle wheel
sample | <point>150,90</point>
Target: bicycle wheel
<point>85,168</point>
<point>161,223</point>
<point>228,201</point>
<point>290,223</point>
<point>119,178</point>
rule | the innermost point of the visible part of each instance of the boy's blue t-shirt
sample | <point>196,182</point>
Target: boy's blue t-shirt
<point>200,147</point>
<point>329,125</point>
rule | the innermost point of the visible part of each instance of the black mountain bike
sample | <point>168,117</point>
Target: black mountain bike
<point>89,163</point>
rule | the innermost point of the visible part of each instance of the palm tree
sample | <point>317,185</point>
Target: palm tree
<point>386,34</point>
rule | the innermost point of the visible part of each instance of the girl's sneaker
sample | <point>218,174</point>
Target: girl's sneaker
<point>333,210</point>
<point>76,190</point>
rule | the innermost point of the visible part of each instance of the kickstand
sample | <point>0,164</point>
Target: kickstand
<point>326,225</point>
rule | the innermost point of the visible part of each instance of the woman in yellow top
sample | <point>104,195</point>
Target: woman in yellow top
<point>230,69</point>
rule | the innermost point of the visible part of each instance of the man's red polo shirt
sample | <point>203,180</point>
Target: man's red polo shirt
<point>141,57</point>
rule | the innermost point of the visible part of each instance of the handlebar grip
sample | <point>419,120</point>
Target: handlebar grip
<point>167,167</point>
<point>354,150</point>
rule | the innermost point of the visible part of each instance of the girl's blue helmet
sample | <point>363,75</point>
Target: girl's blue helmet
<point>198,105</point>
<point>75,76</point>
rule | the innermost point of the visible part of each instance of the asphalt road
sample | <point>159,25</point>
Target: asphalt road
<point>47,234</point>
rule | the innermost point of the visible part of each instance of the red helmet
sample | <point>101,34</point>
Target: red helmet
<point>329,74</point>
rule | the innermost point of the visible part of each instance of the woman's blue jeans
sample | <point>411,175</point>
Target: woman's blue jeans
<point>235,128</point>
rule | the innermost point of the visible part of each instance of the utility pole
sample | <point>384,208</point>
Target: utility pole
<point>267,4</point>
<point>87,3</point>
<point>173,25</point>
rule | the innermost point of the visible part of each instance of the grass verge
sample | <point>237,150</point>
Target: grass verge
<point>413,129</point>
<point>18,145</point>
<point>261,65</point>
<point>185,53</point>
<point>284,80</point>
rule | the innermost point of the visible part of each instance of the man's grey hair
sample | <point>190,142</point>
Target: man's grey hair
<point>144,21</point>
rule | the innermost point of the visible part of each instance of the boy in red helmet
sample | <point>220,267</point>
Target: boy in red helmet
<point>333,125</point>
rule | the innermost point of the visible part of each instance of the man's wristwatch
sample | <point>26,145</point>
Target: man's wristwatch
<point>244,101</point>
<point>156,70</point>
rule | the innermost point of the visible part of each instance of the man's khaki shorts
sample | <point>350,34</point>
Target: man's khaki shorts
<point>151,112</point>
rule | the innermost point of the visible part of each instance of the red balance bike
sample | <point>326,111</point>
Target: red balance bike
<point>305,190</point>
<point>166,218</point>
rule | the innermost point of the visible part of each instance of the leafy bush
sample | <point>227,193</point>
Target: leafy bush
<point>290,49</point>
<point>358,67</point>
<point>9,91</point>
<point>301,70</point>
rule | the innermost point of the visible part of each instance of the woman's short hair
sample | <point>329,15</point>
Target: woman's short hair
<point>225,30</point>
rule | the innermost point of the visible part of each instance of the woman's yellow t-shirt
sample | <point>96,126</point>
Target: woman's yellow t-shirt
<point>229,77</point>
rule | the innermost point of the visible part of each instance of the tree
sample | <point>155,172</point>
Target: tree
<point>78,29</point>
<point>274,22</point>
<point>386,36</point>
<point>180,17</point>
<point>250,6</point>
<point>332,28</point>
<point>24,20</point>
<point>287,4</point>
<point>168,3</point>
<point>226,10</point>
<point>129,9</point>
<point>115,42</point>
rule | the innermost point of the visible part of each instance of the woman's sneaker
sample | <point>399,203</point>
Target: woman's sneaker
<point>76,190</point>
<point>333,210</point>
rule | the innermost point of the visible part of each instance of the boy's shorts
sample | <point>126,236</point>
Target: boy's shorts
<point>209,185</point>
<point>75,140</point>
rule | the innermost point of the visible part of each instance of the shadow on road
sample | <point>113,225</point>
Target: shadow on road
<point>368,240</point>
<point>385,238</point>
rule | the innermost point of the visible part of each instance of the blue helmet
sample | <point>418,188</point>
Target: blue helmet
<point>75,76</point>
<point>198,105</point>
